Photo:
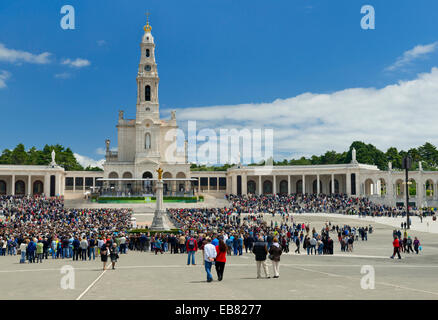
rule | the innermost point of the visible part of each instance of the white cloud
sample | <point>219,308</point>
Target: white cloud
<point>4,75</point>
<point>64,75</point>
<point>101,43</point>
<point>17,56</point>
<point>86,161</point>
<point>77,63</point>
<point>401,115</point>
<point>100,151</point>
<point>413,54</point>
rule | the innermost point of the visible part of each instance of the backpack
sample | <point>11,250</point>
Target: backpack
<point>192,243</point>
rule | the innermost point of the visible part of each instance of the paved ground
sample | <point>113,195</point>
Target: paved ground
<point>146,276</point>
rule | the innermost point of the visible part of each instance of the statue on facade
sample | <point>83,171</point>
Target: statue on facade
<point>107,143</point>
<point>173,115</point>
<point>389,165</point>
<point>420,166</point>
<point>121,113</point>
<point>353,155</point>
<point>53,163</point>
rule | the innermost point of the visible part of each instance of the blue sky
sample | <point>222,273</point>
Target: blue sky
<point>293,60</point>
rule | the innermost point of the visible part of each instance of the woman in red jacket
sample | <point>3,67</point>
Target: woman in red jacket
<point>221,258</point>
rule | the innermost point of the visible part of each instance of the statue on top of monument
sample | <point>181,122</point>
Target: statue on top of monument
<point>173,115</point>
<point>121,113</point>
<point>160,173</point>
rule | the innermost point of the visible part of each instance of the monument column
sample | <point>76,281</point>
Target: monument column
<point>288,185</point>
<point>159,215</point>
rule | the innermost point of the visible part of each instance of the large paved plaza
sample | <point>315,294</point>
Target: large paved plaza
<point>147,276</point>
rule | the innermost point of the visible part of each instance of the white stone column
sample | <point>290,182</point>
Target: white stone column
<point>58,185</point>
<point>244,183</point>
<point>304,183</point>
<point>333,183</point>
<point>348,182</point>
<point>288,185</point>
<point>13,185</point>
<point>234,184</point>
<point>208,184</point>
<point>358,193</point>
<point>47,185</point>
<point>217,184</point>
<point>260,187</point>
<point>274,187</point>
<point>29,185</point>
<point>318,191</point>
<point>74,183</point>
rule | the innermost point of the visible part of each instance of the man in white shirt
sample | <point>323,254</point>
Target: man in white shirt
<point>209,255</point>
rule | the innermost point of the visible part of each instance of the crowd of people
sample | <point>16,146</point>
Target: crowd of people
<point>37,228</point>
<point>311,203</point>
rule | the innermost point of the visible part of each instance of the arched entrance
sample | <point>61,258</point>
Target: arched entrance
<point>412,188</point>
<point>429,188</point>
<point>147,184</point>
<point>20,188</point>
<point>2,187</point>
<point>299,186</point>
<point>283,187</point>
<point>369,187</point>
<point>251,186</point>
<point>267,187</point>
<point>38,187</point>
<point>381,186</point>
<point>127,185</point>
<point>167,185</point>
<point>181,184</point>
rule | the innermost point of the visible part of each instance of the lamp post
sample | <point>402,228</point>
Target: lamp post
<point>407,163</point>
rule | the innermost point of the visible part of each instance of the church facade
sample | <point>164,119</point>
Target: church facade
<point>147,142</point>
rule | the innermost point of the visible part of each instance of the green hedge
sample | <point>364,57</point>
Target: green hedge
<point>121,198</point>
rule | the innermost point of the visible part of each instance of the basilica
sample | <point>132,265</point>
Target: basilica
<point>147,143</point>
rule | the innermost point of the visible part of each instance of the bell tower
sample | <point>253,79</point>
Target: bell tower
<point>147,78</point>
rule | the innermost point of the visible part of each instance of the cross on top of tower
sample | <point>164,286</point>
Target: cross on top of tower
<point>147,27</point>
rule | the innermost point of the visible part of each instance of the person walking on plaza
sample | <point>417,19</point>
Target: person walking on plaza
<point>191,247</point>
<point>416,245</point>
<point>297,243</point>
<point>274,254</point>
<point>104,255</point>
<point>260,251</point>
<point>209,256</point>
<point>221,259</point>
<point>114,255</point>
<point>396,245</point>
